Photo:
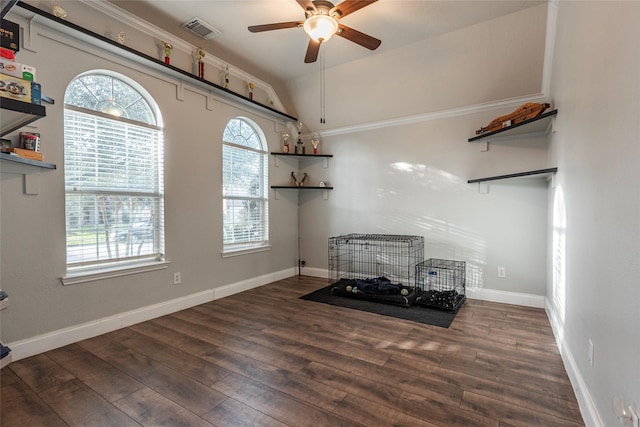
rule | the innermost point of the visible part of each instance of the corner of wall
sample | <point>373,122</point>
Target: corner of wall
<point>588,408</point>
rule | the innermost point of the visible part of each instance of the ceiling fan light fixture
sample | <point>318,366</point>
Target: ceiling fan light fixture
<point>320,27</point>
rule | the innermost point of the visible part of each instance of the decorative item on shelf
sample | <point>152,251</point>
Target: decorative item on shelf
<point>315,140</point>
<point>225,77</point>
<point>30,141</point>
<point>167,52</point>
<point>198,64</point>
<point>322,184</point>
<point>251,86</point>
<point>122,37</point>
<point>10,36</point>
<point>296,179</point>
<point>285,142</point>
<point>5,145</point>
<point>524,112</point>
<point>299,149</point>
<point>59,12</point>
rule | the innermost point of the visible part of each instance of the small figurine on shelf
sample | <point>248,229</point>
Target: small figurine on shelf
<point>315,140</point>
<point>299,183</point>
<point>251,86</point>
<point>122,37</point>
<point>199,64</point>
<point>285,142</point>
<point>167,52</point>
<point>225,77</point>
<point>299,145</point>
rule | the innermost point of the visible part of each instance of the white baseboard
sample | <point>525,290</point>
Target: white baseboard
<point>56,339</point>
<point>505,297</point>
<point>315,272</point>
<point>589,412</point>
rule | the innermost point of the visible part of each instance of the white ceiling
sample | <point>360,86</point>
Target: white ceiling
<point>278,55</point>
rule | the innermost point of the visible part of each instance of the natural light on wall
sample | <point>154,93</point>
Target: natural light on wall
<point>559,253</point>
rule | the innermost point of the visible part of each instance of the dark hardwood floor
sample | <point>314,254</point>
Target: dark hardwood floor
<point>266,358</point>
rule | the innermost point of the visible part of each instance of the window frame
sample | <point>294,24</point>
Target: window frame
<point>103,267</point>
<point>240,248</point>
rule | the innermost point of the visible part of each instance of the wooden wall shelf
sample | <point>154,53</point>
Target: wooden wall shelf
<point>304,187</point>
<point>537,125</point>
<point>24,162</point>
<point>16,114</point>
<point>540,173</point>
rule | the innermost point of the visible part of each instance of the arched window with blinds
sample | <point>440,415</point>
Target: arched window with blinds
<point>113,166</point>
<point>244,186</point>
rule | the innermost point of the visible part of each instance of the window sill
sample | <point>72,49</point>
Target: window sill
<point>238,252</point>
<point>83,276</point>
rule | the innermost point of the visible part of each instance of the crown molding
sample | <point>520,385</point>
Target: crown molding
<point>438,115</point>
<point>549,45</point>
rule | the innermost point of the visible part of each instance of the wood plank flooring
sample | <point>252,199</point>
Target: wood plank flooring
<point>266,358</point>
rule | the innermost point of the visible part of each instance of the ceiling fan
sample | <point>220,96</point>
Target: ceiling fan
<point>321,22</point>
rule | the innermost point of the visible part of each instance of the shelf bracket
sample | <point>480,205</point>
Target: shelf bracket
<point>483,188</point>
<point>31,184</point>
<point>325,163</point>
<point>276,161</point>
<point>484,147</point>
<point>277,194</point>
<point>325,194</point>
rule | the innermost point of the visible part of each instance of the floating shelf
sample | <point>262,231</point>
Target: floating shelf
<point>112,46</point>
<point>540,173</point>
<point>273,153</point>
<point>305,187</point>
<point>16,114</point>
<point>25,162</point>
<point>537,125</point>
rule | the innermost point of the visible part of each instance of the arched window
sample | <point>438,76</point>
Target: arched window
<point>113,170</point>
<point>244,186</point>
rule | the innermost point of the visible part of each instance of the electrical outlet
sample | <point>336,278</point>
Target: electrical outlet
<point>590,353</point>
<point>177,278</point>
<point>502,272</point>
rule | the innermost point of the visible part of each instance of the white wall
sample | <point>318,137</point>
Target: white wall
<point>398,133</point>
<point>32,227</point>
<point>596,87</point>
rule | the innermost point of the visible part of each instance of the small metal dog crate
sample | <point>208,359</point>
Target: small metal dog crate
<point>442,282</point>
<point>362,256</point>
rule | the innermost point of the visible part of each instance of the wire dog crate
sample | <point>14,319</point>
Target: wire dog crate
<point>442,282</point>
<point>363,256</point>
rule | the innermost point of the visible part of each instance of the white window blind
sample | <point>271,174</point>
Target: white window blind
<point>113,180</point>
<point>244,182</point>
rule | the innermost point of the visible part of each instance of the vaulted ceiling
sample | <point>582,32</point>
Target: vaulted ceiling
<point>277,56</point>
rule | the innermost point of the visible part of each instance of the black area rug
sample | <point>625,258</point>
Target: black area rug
<point>428,316</point>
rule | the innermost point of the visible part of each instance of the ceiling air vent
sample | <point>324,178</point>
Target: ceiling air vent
<point>201,28</point>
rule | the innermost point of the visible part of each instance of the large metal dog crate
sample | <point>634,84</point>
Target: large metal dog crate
<point>363,256</point>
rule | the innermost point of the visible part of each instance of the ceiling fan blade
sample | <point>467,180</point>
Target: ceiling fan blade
<point>350,6</point>
<point>357,37</point>
<point>307,4</point>
<point>278,26</point>
<point>312,51</point>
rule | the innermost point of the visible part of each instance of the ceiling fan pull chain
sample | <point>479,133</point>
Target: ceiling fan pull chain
<point>322,88</point>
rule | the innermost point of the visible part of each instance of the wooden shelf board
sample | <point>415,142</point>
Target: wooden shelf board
<point>538,124</point>
<point>540,173</point>
<point>16,114</point>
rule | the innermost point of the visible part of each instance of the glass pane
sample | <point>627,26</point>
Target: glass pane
<point>110,227</point>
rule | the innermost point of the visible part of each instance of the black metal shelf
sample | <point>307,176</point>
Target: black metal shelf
<point>273,153</point>
<point>295,187</point>
<point>540,173</point>
<point>16,114</point>
<point>538,124</point>
<point>112,46</point>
